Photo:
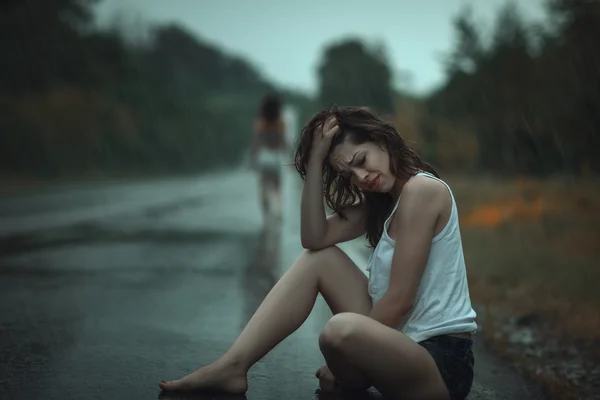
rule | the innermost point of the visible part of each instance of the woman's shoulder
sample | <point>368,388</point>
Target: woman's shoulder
<point>425,185</point>
<point>426,192</point>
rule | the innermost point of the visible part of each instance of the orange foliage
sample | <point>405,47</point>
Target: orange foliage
<point>488,216</point>
<point>493,215</point>
<point>531,200</point>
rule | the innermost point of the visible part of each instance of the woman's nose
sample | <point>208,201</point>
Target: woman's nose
<point>361,175</point>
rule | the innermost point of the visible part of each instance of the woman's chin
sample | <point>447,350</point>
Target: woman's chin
<point>379,189</point>
<point>376,190</point>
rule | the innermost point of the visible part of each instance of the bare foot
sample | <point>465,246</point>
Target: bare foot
<point>219,376</point>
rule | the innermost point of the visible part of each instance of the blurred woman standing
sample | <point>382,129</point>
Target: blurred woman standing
<point>268,146</point>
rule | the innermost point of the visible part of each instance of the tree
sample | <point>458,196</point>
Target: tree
<point>34,37</point>
<point>353,74</point>
<point>468,50</point>
<point>575,56</point>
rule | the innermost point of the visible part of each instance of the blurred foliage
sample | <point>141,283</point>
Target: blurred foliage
<point>76,100</point>
<point>352,74</point>
<point>519,98</point>
<point>529,94</point>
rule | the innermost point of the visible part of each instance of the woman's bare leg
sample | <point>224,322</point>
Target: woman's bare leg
<point>329,271</point>
<point>395,364</point>
<point>277,195</point>
<point>264,194</point>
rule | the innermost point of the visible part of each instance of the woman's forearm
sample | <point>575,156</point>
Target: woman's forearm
<point>313,221</point>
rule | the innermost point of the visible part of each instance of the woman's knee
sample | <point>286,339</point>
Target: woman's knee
<point>321,257</point>
<point>341,331</point>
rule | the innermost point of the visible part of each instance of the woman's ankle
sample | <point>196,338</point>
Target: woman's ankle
<point>234,362</point>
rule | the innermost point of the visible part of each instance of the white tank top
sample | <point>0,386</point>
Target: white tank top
<point>442,304</point>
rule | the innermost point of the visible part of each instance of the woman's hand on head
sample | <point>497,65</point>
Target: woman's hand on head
<point>322,137</point>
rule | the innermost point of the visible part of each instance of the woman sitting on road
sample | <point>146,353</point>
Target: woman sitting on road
<point>406,329</point>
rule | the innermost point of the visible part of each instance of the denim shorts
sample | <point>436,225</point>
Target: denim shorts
<point>455,361</point>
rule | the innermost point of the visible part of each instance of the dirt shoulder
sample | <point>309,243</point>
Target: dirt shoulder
<point>531,248</point>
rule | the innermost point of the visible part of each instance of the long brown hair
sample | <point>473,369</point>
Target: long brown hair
<point>359,125</point>
<point>270,108</point>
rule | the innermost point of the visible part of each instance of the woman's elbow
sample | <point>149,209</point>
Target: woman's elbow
<point>306,244</point>
<point>309,244</point>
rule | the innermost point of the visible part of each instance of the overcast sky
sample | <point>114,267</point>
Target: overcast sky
<point>285,38</point>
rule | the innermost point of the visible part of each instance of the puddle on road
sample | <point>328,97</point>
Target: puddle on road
<point>94,234</point>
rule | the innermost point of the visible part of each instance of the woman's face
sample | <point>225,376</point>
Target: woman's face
<point>366,164</point>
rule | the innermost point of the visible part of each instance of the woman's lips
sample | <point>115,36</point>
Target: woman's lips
<point>374,184</point>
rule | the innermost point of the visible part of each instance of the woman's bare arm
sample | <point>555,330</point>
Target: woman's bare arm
<point>317,230</point>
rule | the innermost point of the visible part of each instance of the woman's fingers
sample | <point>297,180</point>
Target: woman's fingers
<point>332,131</point>
<point>329,123</point>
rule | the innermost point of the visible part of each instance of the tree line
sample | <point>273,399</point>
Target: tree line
<point>76,100</point>
<point>519,97</point>
<point>527,93</point>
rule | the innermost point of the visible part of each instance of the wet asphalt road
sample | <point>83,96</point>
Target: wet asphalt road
<point>109,288</point>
